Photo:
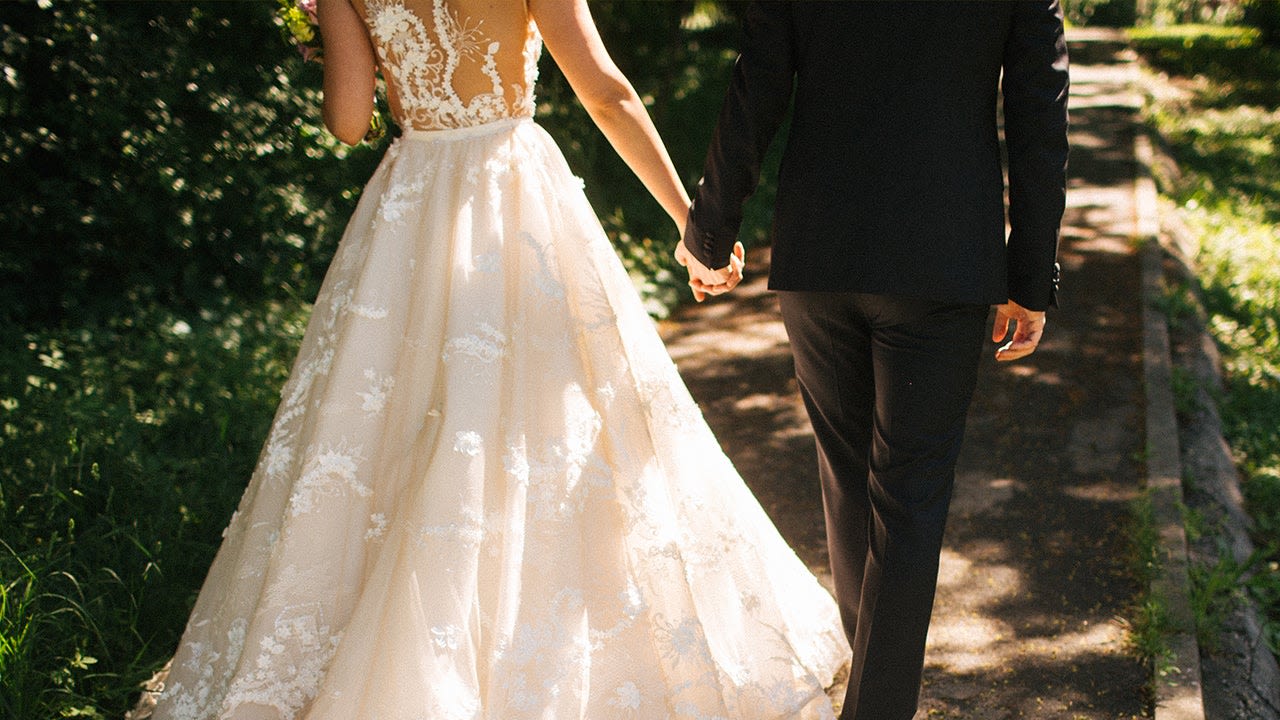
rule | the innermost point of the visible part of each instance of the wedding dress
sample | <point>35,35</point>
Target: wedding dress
<point>486,493</point>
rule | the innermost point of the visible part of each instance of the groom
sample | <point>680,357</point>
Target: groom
<point>889,247</point>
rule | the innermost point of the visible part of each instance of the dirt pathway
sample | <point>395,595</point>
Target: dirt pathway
<point>1033,576</point>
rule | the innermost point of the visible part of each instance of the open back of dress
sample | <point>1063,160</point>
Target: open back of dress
<point>454,63</point>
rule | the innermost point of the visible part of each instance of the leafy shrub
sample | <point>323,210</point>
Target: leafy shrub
<point>1264,15</point>
<point>1100,13</point>
<point>160,152</point>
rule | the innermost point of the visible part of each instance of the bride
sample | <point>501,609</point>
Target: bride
<point>486,492</point>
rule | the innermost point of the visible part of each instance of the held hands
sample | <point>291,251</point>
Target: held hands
<point>706,281</point>
<point>1029,326</point>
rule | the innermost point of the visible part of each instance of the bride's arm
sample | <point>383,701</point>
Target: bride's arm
<point>349,68</point>
<point>571,36</point>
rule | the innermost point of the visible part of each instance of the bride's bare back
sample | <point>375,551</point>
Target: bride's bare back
<point>454,63</point>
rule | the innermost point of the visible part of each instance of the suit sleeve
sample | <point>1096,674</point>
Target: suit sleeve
<point>1035,115</point>
<point>753,108</point>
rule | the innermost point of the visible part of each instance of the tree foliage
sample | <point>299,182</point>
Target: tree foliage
<point>159,152</point>
<point>1262,14</point>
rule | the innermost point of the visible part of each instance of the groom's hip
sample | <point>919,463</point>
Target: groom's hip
<point>903,368</point>
<point>935,343</point>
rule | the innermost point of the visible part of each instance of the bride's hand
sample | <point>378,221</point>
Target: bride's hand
<point>705,281</point>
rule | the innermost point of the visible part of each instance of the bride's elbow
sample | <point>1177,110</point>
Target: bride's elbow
<point>348,128</point>
<point>348,136</point>
<point>607,97</point>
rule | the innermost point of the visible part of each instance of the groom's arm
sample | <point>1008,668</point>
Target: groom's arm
<point>1035,113</point>
<point>753,108</point>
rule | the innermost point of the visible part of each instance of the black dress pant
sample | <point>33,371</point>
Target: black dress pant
<point>887,382</point>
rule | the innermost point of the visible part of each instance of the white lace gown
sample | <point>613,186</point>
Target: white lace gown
<point>486,493</point>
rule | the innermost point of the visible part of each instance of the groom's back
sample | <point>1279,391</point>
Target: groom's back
<point>878,64</point>
<point>893,154</point>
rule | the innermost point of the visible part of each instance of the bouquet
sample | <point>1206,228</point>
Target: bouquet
<point>298,24</point>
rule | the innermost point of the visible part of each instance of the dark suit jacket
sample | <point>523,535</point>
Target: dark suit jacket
<point>891,178</point>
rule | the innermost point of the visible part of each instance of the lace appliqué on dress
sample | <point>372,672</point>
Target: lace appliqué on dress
<point>290,663</point>
<point>423,61</point>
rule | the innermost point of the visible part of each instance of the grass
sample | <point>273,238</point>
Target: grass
<point>1216,588</point>
<point>1186,392</point>
<point>123,450</point>
<point>1146,621</point>
<point>1222,129</point>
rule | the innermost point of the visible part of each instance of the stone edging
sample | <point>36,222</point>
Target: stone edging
<point>1176,684</point>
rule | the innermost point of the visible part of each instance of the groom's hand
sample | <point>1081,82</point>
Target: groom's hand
<point>703,280</point>
<point>1028,327</point>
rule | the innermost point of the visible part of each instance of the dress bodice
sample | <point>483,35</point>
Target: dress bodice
<point>454,63</point>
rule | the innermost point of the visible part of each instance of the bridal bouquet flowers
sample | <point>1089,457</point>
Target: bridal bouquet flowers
<point>298,23</point>
<point>299,26</point>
